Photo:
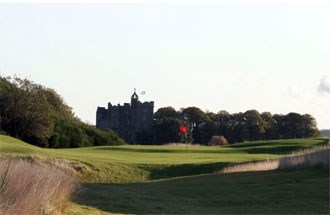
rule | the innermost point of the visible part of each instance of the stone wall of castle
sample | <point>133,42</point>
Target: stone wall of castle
<point>129,121</point>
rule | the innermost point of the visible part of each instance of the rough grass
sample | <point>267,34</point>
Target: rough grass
<point>32,187</point>
<point>318,156</point>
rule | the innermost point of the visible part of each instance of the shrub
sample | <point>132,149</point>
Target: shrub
<point>33,188</point>
<point>218,140</point>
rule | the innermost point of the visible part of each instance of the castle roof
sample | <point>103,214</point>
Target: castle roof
<point>134,96</point>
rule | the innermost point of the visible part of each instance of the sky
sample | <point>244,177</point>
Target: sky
<point>216,56</point>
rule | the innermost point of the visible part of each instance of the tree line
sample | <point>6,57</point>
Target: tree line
<point>38,115</point>
<point>238,127</point>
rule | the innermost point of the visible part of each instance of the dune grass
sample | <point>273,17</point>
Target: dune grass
<point>316,157</point>
<point>27,187</point>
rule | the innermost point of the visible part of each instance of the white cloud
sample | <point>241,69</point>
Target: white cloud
<point>324,86</point>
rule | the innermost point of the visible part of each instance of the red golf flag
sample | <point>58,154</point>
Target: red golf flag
<point>183,129</point>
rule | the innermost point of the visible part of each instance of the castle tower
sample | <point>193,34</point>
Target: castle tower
<point>134,98</point>
<point>133,122</point>
<point>135,114</point>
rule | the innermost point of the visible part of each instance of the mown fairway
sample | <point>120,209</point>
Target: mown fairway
<point>293,192</point>
<point>300,191</point>
<point>116,164</point>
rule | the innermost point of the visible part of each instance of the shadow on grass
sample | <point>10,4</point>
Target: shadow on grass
<point>277,147</point>
<point>171,171</point>
<point>276,150</point>
<point>283,149</point>
<point>271,192</point>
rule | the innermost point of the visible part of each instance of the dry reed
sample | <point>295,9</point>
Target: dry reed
<point>33,187</point>
<point>318,156</point>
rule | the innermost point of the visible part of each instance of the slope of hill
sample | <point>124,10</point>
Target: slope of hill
<point>12,145</point>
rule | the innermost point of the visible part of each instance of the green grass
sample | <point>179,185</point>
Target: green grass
<point>14,146</point>
<point>288,192</point>
<point>118,164</point>
<point>122,179</point>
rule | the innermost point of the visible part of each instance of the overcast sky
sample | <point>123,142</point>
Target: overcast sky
<point>234,57</point>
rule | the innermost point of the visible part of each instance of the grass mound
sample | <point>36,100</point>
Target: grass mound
<point>15,146</point>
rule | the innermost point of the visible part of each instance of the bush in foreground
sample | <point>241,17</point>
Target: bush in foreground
<point>33,188</point>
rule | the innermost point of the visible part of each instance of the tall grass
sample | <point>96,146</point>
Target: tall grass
<point>318,156</point>
<point>28,187</point>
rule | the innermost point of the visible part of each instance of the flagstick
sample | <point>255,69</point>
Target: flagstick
<point>186,142</point>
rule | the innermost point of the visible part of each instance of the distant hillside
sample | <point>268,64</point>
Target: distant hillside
<point>325,132</point>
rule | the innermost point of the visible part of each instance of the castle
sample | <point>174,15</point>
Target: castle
<point>133,122</point>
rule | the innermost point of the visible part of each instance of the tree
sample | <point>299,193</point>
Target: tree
<point>310,126</point>
<point>167,131</point>
<point>38,115</point>
<point>166,112</point>
<point>204,132</point>
<point>223,123</point>
<point>166,126</point>
<point>240,127</point>
<point>271,132</point>
<point>294,125</point>
<point>279,125</point>
<point>25,110</point>
<point>195,117</point>
<point>255,124</point>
